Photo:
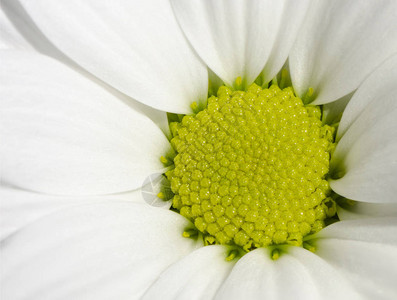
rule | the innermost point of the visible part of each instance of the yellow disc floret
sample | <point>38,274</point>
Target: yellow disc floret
<point>250,168</point>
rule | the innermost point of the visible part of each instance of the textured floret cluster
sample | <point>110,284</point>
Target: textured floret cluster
<point>250,168</point>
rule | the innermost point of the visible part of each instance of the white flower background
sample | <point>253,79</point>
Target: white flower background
<point>84,88</point>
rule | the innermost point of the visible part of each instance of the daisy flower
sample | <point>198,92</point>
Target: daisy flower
<point>271,125</point>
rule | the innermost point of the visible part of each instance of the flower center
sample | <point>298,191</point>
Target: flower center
<point>250,168</point>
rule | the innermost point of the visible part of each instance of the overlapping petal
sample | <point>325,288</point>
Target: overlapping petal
<point>240,38</point>
<point>66,135</point>
<point>365,252</point>
<point>365,159</point>
<point>137,47</point>
<point>98,251</point>
<point>371,95</point>
<point>297,274</point>
<point>196,276</point>
<point>358,210</point>
<point>340,44</point>
<point>20,32</point>
<point>10,37</point>
<point>20,208</point>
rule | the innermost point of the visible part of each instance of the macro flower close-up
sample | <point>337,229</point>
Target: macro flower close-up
<point>198,149</point>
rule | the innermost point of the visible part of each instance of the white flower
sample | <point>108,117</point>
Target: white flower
<point>72,75</point>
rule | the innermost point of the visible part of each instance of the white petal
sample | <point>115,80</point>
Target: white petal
<point>20,208</point>
<point>196,276</point>
<point>66,135</point>
<point>340,44</point>
<point>251,278</point>
<point>292,19</point>
<point>238,38</point>
<point>24,34</point>
<point>367,210</point>
<point>371,230</point>
<point>30,37</point>
<point>365,252</point>
<point>372,94</point>
<point>10,38</point>
<point>159,117</point>
<point>328,282</point>
<point>297,274</point>
<point>365,158</point>
<point>135,46</point>
<point>102,251</point>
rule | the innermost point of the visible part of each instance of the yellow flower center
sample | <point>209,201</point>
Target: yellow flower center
<point>250,168</point>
